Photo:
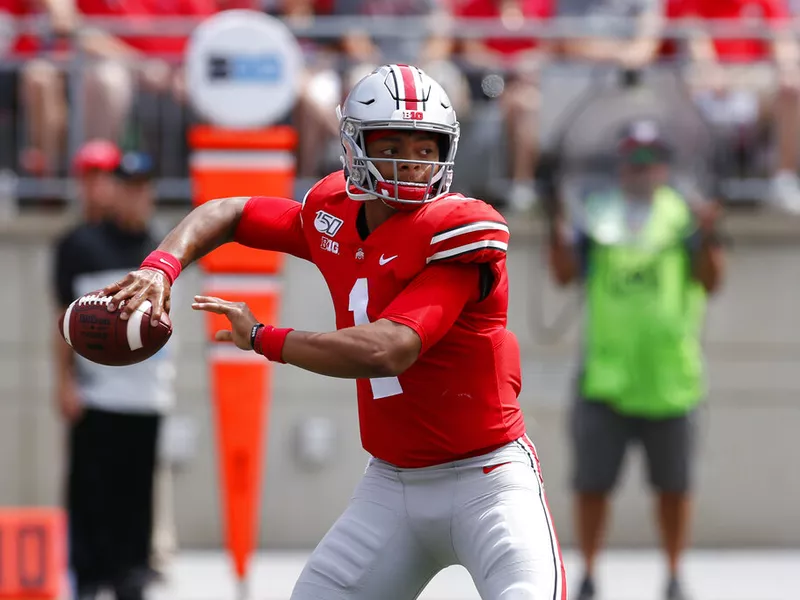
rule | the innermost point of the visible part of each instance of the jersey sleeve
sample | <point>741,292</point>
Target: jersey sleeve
<point>470,231</point>
<point>433,301</point>
<point>273,224</point>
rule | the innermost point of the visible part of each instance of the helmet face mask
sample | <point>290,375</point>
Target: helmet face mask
<point>397,98</point>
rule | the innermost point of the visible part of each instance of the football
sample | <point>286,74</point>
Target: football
<point>102,337</point>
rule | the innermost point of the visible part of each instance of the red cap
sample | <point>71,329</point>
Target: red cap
<point>96,154</point>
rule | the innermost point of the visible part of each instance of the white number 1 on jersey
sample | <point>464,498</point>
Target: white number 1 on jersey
<point>382,387</point>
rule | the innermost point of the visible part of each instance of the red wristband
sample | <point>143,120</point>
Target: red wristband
<point>164,262</point>
<point>269,342</point>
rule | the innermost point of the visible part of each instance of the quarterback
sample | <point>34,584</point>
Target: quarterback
<point>417,275</point>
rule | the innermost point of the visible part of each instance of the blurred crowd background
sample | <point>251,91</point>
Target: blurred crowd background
<point>73,70</point>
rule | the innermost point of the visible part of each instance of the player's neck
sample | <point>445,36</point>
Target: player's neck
<point>375,213</point>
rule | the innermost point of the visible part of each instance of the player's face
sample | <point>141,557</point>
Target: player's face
<point>408,146</point>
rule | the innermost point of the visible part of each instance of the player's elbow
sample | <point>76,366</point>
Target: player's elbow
<point>393,352</point>
<point>390,361</point>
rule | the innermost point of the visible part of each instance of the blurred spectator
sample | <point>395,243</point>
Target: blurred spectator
<point>113,413</point>
<point>641,376</point>
<point>41,87</point>
<point>152,57</point>
<point>429,48</point>
<point>334,65</point>
<point>117,63</point>
<point>742,83</point>
<point>605,36</point>
<point>145,57</point>
<point>622,32</point>
<point>519,62</point>
<point>93,166</point>
<point>320,92</point>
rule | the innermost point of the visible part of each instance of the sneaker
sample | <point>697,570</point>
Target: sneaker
<point>586,591</point>
<point>675,591</point>
<point>785,191</point>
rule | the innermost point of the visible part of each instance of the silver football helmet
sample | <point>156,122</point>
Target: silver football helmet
<point>396,97</point>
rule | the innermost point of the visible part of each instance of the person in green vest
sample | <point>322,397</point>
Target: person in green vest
<point>641,377</point>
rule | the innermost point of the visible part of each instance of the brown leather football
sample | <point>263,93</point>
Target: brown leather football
<point>103,338</point>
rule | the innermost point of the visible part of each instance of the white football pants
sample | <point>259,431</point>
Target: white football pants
<point>403,526</point>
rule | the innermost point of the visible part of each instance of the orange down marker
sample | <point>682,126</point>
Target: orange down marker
<point>228,163</point>
<point>33,553</point>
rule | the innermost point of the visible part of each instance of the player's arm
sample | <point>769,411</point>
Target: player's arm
<point>258,222</point>
<point>413,322</point>
<point>379,349</point>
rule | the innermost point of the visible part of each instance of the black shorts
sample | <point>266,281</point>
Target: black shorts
<point>601,436</point>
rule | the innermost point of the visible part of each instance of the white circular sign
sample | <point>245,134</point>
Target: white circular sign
<point>243,69</point>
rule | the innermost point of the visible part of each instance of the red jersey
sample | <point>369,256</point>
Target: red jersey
<point>459,398</point>
<point>755,13</point>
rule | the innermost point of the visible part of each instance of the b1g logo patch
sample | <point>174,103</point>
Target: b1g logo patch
<point>329,245</point>
<point>413,115</point>
<point>327,223</point>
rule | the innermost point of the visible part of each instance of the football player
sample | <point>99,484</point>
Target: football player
<point>418,279</point>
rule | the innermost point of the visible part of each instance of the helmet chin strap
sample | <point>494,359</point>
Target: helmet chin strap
<point>393,187</point>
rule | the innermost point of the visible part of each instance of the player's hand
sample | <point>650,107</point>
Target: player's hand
<point>138,286</point>
<point>241,319</point>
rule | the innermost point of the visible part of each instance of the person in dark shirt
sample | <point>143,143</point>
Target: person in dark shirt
<point>113,413</point>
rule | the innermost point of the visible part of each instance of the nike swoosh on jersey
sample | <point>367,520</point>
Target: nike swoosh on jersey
<point>382,261</point>
<point>491,468</point>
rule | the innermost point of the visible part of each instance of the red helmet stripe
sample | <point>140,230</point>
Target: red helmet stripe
<point>410,87</point>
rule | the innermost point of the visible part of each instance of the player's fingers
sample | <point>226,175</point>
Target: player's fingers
<point>224,336</point>
<point>158,307</point>
<point>212,307</point>
<point>126,295</point>
<point>118,285</point>
<point>132,303</point>
<point>212,300</point>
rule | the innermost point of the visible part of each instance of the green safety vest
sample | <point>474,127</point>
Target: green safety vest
<point>644,315</point>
